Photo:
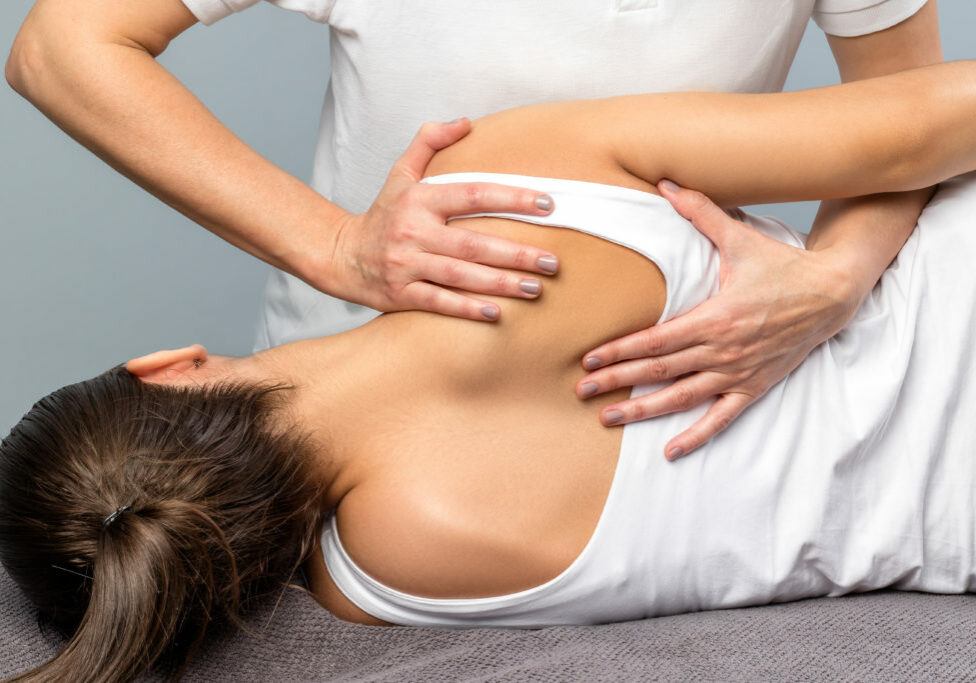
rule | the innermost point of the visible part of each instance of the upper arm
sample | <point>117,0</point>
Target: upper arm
<point>57,32</point>
<point>147,24</point>
<point>912,43</point>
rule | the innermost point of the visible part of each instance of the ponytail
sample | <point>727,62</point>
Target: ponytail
<point>213,509</point>
<point>134,608</point>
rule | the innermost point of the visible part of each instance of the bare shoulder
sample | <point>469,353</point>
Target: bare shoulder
<point>555,139</point>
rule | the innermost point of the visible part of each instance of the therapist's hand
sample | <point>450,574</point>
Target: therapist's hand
<point>401,254</point>
<point>776,303</point>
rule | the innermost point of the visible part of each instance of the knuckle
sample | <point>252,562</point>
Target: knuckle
<point>721,321</point>
<point>652,344</point>
<point>683,398</point>
<point>452,273</point>
<point>721,422</point>
<point>522,260</point>
<point>745,383</point>
<point>730,355</point>
<point>430,298</point>
<point>469,246</point>
<point>392,261</point>
<point>607,381</point>
<point>403,231</point>
<point>639,411</point>
<point>473,196</point>
<point>655,369</point>
<point>696,200</point>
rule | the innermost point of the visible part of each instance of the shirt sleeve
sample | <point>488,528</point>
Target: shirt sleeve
<point>209,11</point>
<point>848,18</point>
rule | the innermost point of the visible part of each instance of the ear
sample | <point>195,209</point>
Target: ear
<point>164,365</point>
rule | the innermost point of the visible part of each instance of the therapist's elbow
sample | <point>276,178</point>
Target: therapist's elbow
<point>18,66</point>
<point>31,61</point>
<point>45,56</point>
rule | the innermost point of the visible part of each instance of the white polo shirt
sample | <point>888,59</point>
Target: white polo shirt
<point>396,64</point>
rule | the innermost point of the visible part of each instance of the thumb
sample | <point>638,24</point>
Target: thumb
<point>431,137</point>
<point>705,215</point>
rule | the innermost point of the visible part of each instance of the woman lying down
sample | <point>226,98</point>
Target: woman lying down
<point>432,471</point>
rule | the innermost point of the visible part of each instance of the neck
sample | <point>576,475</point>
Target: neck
<point>335,381</point>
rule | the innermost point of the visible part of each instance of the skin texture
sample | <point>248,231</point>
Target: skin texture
<point>462,465</point>
<point>90,67</point>
<point>774,307</point>
<point>86,66</point>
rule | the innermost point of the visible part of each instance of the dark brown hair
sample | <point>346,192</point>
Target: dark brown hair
<point>224,505</point>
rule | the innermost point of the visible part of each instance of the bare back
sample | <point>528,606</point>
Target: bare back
<point>482,473</point>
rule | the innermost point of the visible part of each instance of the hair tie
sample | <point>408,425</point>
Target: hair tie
<point>115,515</point>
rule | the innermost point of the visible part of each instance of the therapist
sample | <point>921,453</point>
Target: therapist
<point>381,241</point>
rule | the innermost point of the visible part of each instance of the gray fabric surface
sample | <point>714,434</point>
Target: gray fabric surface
<point>873,637</point>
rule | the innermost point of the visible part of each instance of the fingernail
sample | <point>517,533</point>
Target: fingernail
<point>490,312</point>
<point>668,185</point>
<point>530,286</point>
<point>591,363</point>
<point>675,453</point>
<point>588,389</point>
<point>456,120</point>
<point>543,202</point>
<point>548,264</point>
<point>612,417</point>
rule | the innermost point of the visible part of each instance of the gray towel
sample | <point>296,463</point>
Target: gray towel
<point>873,637</point>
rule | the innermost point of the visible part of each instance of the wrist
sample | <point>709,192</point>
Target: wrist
<point>845,276</point>
<point>858,237</point>
<point>316,257</point>
<point>320,264</point>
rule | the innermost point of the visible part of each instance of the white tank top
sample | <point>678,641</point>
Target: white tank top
<point>844,477</point>
<point>482,56</point>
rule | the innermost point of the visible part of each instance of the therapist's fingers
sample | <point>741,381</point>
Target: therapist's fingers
<point>472,277</point>
<point>719,416</point>
<point>460,199</point>
<point>684,394</point>
<point>431,137</point>
<point>642,371</point>
<point>676,334</point>
<point>456,199</point>
<point>489,250</point>
<point>429,297</point>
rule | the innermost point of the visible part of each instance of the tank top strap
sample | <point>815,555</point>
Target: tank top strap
<point>641,221</point>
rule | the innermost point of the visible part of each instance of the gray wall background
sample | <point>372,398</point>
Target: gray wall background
<point>94,271</point>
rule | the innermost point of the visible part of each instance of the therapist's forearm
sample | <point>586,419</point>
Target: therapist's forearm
<point>864,234</point>
<point>113,97</point>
